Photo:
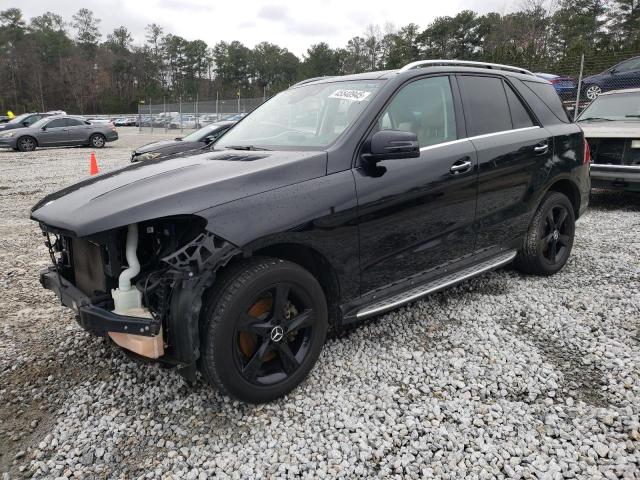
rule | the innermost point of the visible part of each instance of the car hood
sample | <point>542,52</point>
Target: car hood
<point>165,144</point>
<point>174,186</point>
<point>10,126</point>
<point>611,129</point>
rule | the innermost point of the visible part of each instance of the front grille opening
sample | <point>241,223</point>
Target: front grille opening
<point>88,267</point>
<point>613,151</point>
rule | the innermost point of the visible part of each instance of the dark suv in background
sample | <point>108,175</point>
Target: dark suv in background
<point>337,200</point>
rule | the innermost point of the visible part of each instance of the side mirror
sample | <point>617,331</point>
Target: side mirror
<point>178,139</point>
<point>44,127</point>
<point>25,123</point>
<point>392,145</point>
<point>613,71</point>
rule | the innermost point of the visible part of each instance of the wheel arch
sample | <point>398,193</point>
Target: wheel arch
<point>315,263</point>
<point>30,136</point>
<point>568,188</point>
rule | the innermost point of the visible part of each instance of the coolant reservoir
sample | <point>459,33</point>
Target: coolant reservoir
<point>129,302</point>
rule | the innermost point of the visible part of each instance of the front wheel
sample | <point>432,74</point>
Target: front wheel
<point>592,92</point>
<point>264,327</point>
<point>549,240</point>
<point>97,140</point>
<point>26,144</point>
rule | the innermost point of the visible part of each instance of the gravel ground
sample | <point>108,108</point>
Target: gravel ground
<point>502,376</point>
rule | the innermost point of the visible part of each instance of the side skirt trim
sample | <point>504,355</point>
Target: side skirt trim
<point>435,285</point>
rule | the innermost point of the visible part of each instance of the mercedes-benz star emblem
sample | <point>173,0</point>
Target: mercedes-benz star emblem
<point>277,333</point>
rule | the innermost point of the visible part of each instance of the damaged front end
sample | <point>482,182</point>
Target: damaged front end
<point>141,285</point>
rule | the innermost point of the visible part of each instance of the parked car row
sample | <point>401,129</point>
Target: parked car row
<point>51,130</point>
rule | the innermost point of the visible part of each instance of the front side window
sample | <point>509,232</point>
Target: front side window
<point>32,119</point>
<point>485,105</point>
<point>306,117</point>
<point>424,107</point>
<point>58,122</point>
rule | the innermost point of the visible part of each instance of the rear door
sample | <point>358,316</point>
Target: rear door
<point>54,133</point>
<point>513,150</point>
<point>79,131</point>
<point>417,214</point>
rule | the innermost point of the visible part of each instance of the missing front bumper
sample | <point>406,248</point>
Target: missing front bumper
<point>93,318</point>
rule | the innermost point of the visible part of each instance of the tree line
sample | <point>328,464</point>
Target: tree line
<point>48,62</point>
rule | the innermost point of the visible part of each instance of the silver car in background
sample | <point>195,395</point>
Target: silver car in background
<point>59,131</point>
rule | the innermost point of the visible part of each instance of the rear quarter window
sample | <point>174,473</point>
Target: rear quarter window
<point>550,98</point>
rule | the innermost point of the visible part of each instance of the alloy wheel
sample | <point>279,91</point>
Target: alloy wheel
<point>27,144</point>
<point>555,235</point>
<point>273,335</point>
<point>98,141</point>
<point>593,91</point>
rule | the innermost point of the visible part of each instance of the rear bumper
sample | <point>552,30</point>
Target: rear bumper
<point>615,176</point>
<point>92,318</point>
<point>111,137</point>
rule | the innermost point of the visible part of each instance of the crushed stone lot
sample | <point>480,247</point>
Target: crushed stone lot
<point>502,376</point>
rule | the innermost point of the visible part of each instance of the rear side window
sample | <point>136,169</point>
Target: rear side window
<point>519,115</point>
<point>485,105</point>
<point>548,94</point>
<point>72,122</point>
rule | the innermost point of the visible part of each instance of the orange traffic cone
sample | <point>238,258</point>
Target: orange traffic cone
<point>93,170</point>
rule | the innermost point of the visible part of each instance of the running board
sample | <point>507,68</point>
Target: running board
<point>435,285</point>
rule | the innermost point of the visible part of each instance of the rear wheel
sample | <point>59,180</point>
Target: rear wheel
<point>265,327</point>
<point>26,144</point>
<point>97,140</point>
<point>549,239</point>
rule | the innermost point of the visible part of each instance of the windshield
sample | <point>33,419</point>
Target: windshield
<point>619,106</point>
<point>198,135</point>
<point>311,116</point>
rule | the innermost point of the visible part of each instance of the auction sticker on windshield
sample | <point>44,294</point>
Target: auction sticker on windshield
<point>351,95</point>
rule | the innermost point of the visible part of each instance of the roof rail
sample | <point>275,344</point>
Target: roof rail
<point>463,63</point>
<point>309,80</point>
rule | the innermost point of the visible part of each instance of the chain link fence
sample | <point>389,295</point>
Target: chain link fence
<point>580,79</point>
<point>190,115</point>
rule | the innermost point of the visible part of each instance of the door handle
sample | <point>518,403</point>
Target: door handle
<point>461,166</point>
<point>541,148</point>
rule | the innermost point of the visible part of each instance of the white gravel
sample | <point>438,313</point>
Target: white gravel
<point>502,376</point>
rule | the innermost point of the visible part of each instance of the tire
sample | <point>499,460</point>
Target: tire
<point>97,140</point>
<point>26,144</point>
<point>263,329</point>
<point>547,245</point>
<point>592,92</point>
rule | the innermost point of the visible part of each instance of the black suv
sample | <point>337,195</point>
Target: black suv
<point>338,199</point>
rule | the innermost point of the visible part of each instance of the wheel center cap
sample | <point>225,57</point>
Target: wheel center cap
<point>556,234</point>
<point>277,333</point>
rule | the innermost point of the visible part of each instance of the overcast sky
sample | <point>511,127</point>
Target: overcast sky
<point>291,24</point>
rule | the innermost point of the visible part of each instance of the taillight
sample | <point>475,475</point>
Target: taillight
<point>587,153</point>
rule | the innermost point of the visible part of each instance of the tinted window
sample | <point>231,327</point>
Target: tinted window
<point>629,65</point>
<point>32,119</point>
<point>73,122</point>
<point>519,115</point>
<point>58,122</point>
<point>424,107</point>
<point>548,94</point>
<point>486,109</point>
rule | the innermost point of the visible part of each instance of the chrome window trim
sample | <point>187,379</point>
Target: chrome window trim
<point>477,137</point>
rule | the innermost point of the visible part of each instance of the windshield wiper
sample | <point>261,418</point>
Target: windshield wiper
<point>595,118</point>
<point>632,116</point>
<point>245,147</point>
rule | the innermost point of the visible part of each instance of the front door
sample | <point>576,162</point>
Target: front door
<point>54,133</point>
<point>417,213</point>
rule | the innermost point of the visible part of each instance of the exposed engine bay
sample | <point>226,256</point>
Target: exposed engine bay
<point>155,271</point>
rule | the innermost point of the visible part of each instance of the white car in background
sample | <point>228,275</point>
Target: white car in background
<point>611,125</point>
